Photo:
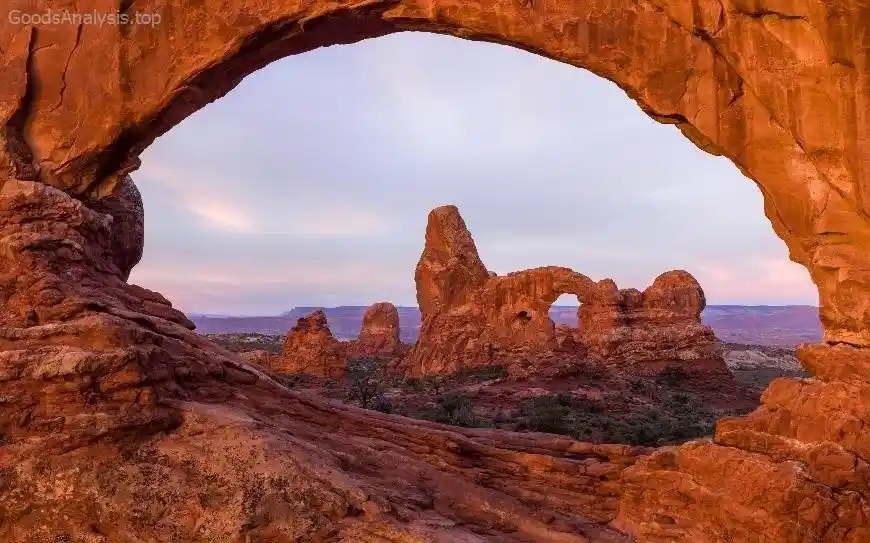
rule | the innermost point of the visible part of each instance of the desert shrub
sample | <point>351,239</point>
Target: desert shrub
<point>382,404</point>
<point>551,414</point>
<point>638,385</point>
<point>673,375</point>
<point>500,417</point>
<point>455,409</point>
<point>678,418</point>
<point>366,381</point>
<point>414,383</point>
<point>248,342</point>
<point>434,383</point>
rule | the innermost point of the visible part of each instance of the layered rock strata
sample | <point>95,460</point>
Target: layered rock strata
<point>163,435</point>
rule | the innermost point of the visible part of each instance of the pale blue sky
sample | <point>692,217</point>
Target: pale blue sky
<point>309,183</point>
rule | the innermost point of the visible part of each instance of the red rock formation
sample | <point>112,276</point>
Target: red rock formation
<point>449,269</point>
<point>106,391</point>
<point>310,348</point>
<point>647,331</point>
<point>505,320</point>
<point>264,359</point>
<point>379,334</point>
<point>124,205</point>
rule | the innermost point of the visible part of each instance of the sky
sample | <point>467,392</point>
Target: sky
<point>310,182</point>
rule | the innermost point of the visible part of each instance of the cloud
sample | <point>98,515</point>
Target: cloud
<point>199,197</point>
<point>756,281</point>
<point>336,221</point>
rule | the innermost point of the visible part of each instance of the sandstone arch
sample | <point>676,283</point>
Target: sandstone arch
<point>781,89</point>
<point>781,92</point>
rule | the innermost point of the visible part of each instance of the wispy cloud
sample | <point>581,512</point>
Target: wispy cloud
<point>201,197</point>
<point>758,280</point>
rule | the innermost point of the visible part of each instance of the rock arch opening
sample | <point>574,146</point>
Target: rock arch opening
<point>110,377</point>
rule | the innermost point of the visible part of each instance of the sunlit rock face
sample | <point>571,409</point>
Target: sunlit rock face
<point>311,348</point>
<point>492,320</point>
<point>379,334</point>
<point>106,390</point>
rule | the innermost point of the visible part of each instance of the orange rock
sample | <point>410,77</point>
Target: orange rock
<point>449,269</point>
<point>492,320</point>
<point>379,334</point>
<point>262,358</point>
<point>310,348</point>
<point>647,331</point>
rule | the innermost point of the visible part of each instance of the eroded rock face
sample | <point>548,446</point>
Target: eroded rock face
<point>449,269</point>
<point>124,205</point>
<point>379,334</point>
<point>264,359</point>
<point>749,81</point>
<point>505,320</point>
<point>647,331</point>
<point>311,348</point>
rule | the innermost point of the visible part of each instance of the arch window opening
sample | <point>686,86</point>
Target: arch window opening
<point>309,188</point>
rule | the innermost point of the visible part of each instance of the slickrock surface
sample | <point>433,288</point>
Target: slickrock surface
<point>504,320</point>
<point>379,334</point>
<point>310,348</point>
<point>119,424</point>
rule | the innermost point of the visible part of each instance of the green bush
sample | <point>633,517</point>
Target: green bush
<point>592,371</point>
<point>414,383</point>
<point>382,404</point>
<point>638,385</point>
<point>483,373</point>
<point>551,414</point>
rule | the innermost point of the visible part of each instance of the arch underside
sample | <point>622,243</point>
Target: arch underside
<point>778,93</point>
<point>95,372</point>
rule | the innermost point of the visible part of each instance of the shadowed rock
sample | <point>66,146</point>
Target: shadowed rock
<point>124,205</point>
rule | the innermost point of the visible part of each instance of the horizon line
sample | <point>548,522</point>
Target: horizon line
<point>208,314</point>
